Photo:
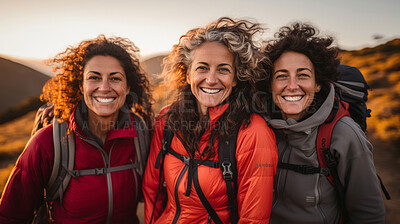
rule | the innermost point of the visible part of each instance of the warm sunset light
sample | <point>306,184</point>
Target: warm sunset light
<point>367,33</point>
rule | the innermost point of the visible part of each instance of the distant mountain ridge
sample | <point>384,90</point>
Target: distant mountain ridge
<point>19,82</point>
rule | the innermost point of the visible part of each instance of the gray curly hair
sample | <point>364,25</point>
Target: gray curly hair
<point>237,36</point>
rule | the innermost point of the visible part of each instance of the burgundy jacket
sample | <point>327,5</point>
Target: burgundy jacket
<point>107,198</point>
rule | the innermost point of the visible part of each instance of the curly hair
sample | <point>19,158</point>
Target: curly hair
<point>303,38</point>
<point>63,90</point>
<point>238,37</point>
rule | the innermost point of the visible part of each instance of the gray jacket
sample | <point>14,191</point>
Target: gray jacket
<point>300,198</point>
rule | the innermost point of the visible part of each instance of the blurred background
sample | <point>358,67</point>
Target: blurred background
<point>366,31</point>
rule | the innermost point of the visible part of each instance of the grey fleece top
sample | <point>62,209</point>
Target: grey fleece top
<point>300,198</point>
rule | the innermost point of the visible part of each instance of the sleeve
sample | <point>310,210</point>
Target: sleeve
<point>357,173</point>
<point>151,177</point>
<point>257,159</point>
<point>25,186</point>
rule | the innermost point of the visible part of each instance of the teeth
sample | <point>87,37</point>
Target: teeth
<point>292,98</point>
<point>105,100</point>
<point>211,91</point>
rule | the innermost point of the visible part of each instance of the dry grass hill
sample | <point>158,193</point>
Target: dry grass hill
<point>19,83</point>
<point>380,66</point>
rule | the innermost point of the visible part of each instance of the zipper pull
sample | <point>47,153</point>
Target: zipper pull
<point>209,219</point>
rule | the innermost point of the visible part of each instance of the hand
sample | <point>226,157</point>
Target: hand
<point>48,113</point>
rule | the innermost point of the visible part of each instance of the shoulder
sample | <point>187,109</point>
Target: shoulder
<point>256,134</point>
<point>347,128</point>
<point>347,135</point>
<point>257,124</point>
<point>38,149</point>
<point>43,137</point>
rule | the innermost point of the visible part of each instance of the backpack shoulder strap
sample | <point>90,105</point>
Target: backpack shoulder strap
<point>159,164</point>
<point>64,158</point>
<point>325,157</point>
<point>141,142</point>
<point>227,160</point>
<point>324,137</point>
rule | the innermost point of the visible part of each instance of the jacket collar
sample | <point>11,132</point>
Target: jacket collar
<point>125,126</point>
<point>214,113</point>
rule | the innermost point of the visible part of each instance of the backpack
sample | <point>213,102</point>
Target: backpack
<point>64,159</point>
<point>226,162</point>
<point>351,96</point>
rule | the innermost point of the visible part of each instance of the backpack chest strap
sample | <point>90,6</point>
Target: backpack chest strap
<point>304,169</point>
<point>101,171</point>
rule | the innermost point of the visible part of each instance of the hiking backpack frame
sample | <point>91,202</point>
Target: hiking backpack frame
<point>64,160</point>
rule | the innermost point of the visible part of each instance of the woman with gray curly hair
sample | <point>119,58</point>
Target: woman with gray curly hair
<point>216,70</point>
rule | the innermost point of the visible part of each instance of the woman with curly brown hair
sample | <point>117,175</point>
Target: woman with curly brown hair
<point>216,69</point>
<point>303,98</point>
<point>98,84</point>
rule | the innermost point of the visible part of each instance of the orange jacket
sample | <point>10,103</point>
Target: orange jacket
<point>256,156</point>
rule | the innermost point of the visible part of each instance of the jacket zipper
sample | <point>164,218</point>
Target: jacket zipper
<point>109,185</point>
<point>178,207</point>
<point>106,161</point>
<point>319,199</point>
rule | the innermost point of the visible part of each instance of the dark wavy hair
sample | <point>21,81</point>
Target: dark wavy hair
<point>183,117</point>
<point>63,89</point>
<point>303,38</point>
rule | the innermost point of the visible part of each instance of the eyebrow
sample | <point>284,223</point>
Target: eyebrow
<point>98,73</point>
<point>222,64</point>
<point>302,69</point>
<point>297,70</point>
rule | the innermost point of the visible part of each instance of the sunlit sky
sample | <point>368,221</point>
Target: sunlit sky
<point>42,28</point>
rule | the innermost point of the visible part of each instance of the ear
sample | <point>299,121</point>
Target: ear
<point>317,87</point>
<point>81,88</point>
<point>188,79</point>
<point>128,89</point>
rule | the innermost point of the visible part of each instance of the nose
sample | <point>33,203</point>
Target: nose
<point>292,83</point>
<point>105,85</point>
<point>211,78</point>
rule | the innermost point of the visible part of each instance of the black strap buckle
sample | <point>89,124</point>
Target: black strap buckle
<point>186,160</point>
<point>99,171</point>
<point>227,172</point>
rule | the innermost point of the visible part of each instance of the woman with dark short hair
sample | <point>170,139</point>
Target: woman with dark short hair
<point>302,98</point>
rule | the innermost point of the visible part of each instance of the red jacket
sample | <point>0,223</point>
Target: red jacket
<point>87,198</point>
<point>256,156</point>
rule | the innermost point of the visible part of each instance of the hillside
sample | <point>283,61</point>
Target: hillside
<point>19,82</point>
<point>381,68</point>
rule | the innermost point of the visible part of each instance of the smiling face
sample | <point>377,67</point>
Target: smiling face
<point>293,84</point>
<point>104,87</point>
<point>211,74</point>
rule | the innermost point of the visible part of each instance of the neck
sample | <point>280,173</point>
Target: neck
<point>100,126</point>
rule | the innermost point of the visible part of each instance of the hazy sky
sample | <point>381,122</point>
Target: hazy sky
<point>42,28</point>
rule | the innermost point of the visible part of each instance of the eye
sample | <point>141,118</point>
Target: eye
<point>281,76</point>
<point>93,77</point>
<point>304,76</point>
<point>201,69</point>
<point>224,70</point>
<point>115,78</point>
